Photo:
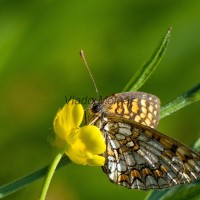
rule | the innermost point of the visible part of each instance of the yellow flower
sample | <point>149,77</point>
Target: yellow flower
<point>83,145</point>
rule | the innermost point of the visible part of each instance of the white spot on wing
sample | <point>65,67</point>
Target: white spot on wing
<point>115,144</point>
<point>121,166</point>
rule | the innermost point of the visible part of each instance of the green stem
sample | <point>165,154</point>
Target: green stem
<point>50,173</point>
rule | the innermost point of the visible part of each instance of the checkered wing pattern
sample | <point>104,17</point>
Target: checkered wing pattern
<point>140,157</point>
<point>137,155</point>
<point>136,106</point>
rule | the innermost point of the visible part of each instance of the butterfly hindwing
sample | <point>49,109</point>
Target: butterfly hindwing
<point>139,157</point>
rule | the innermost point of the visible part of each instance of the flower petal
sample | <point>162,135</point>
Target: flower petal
<point>68,118</point>
<point>83,157</point>
<point>76,158</point>
<point>72,114</point>
<point>82,145</point>
<point>92,137</point>
<point>96,161</point>
<point>77,153</point>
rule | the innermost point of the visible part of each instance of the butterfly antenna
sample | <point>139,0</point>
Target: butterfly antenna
<point>91,76</point>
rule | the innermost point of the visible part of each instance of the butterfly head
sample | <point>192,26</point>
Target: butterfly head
<point>95,107</point>
<point>96,112</point>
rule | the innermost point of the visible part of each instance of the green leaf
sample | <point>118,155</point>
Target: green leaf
<point>196,145</point>
<point>183,100</point>
<point>16,185</point>
<point>141,76</point>
<point>181,192</point>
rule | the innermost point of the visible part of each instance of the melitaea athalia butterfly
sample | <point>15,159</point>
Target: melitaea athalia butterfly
<point>137,155</point>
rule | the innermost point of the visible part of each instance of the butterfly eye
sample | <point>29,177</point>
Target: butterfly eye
<point>96,107</point>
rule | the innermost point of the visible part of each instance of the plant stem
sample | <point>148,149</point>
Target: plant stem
<point>49,176</point>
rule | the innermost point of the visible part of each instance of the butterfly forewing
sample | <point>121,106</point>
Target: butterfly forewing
<point>138,156</point>
<point>136,106</point>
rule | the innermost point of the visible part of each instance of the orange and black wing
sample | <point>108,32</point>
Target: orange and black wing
<point>135,106</point>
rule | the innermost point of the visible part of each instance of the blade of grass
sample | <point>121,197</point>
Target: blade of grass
<point>188,191</point>
<point>183,100</point>
<point>16,185</point>
<point>141,76</point>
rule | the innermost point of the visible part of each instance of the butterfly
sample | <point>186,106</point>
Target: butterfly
<point>138,156</point>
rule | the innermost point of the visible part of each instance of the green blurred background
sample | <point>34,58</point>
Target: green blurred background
<point>40,65</point>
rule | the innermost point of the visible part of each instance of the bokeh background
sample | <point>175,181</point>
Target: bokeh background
<point>40,65</point>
